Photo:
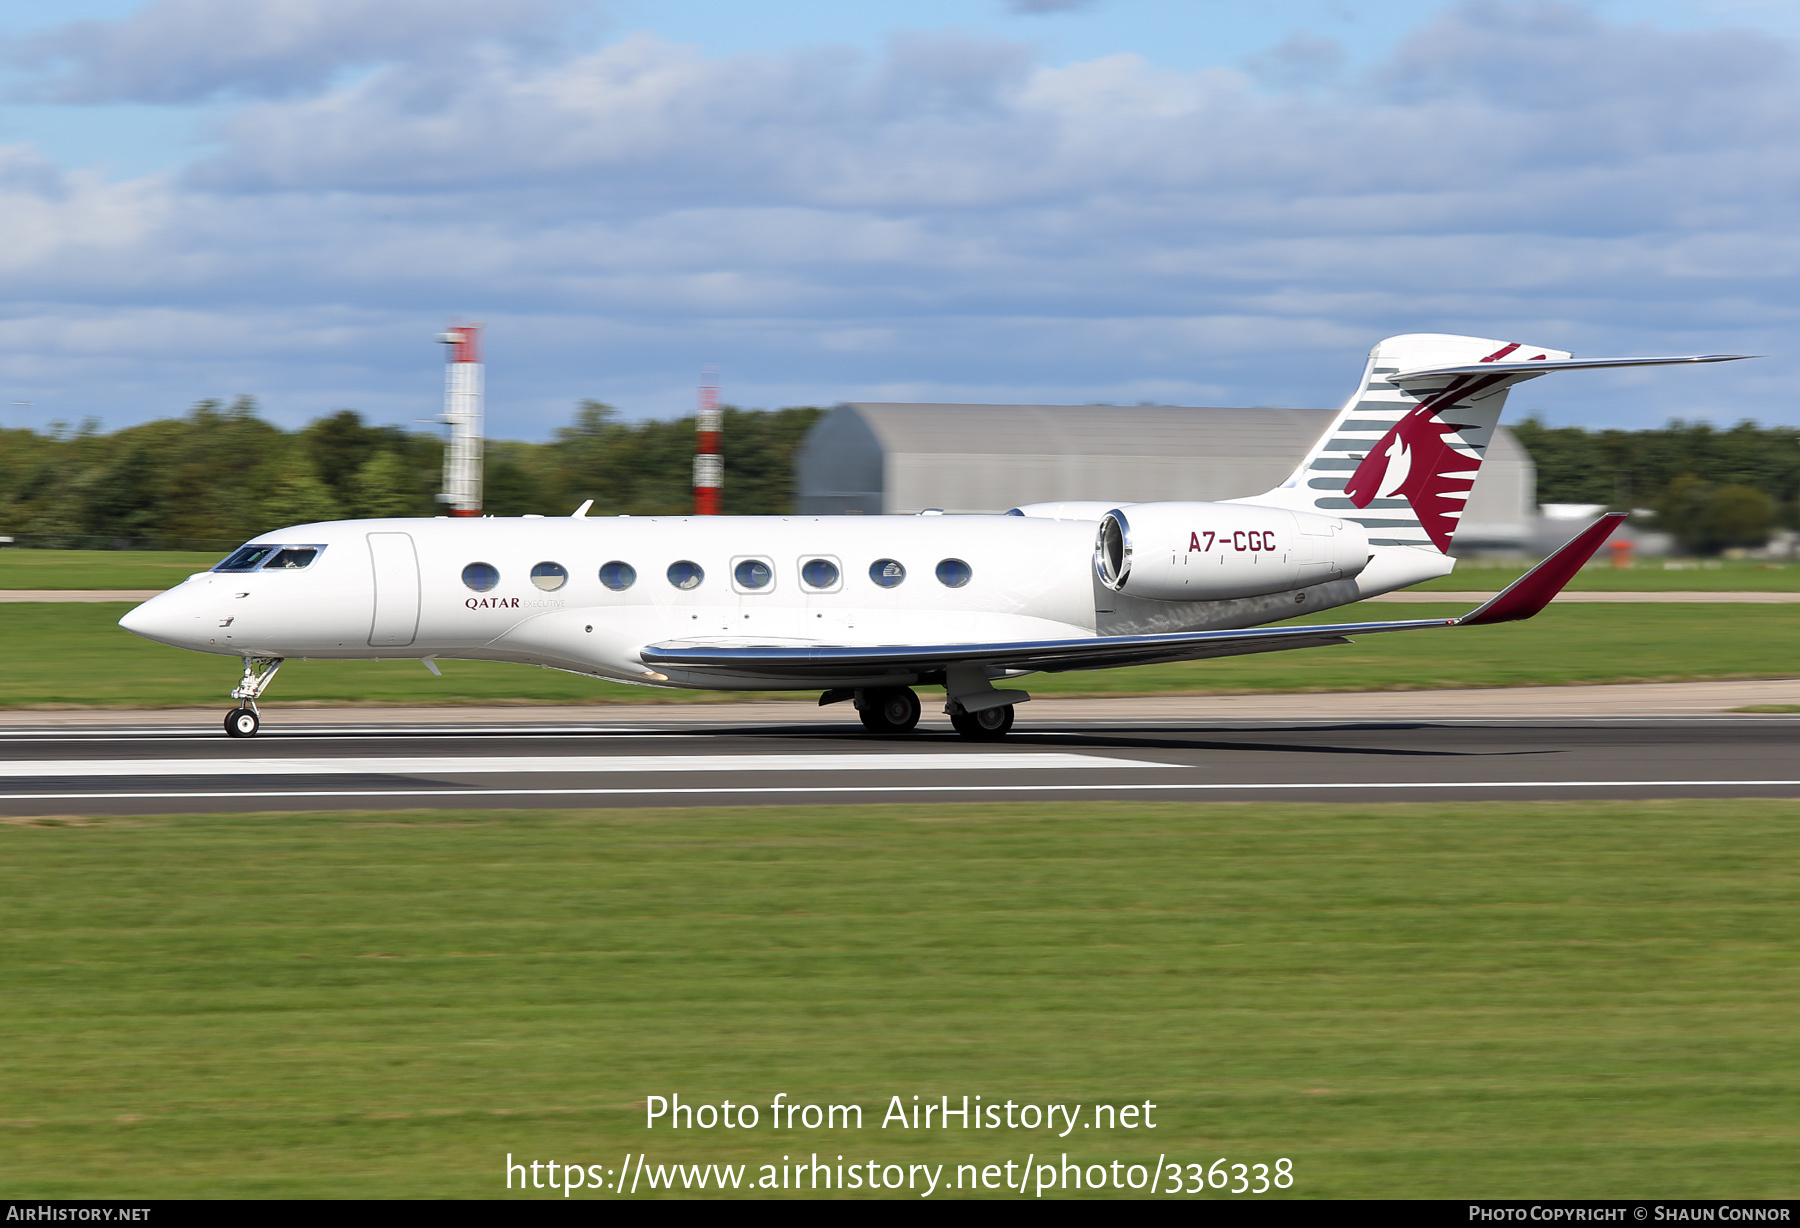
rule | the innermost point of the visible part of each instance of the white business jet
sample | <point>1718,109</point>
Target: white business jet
<point>865,608</point>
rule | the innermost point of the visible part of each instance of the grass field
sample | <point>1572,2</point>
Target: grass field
<point>1648,575</point>
<point>1494,1000</point>
<point>134,569</point>
<point>75,655</point>
<point>147,569</point>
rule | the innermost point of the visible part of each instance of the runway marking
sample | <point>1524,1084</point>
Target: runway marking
<point>332,733</point>
<point>479,765</point>
<point>709,728</point>
<point>892,790</point>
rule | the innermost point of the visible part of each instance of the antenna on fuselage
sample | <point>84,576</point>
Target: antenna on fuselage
<point>709,461</point>
<point>462,412</point>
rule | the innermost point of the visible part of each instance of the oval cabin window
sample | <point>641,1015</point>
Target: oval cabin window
<point>753,573</point>
<point>819,573</point>
<point>481,577</point>
<point>549,576</point>
<point>618,576</point>
<point>686,574</point>
<point>886,572</point>
<point>953,573</point>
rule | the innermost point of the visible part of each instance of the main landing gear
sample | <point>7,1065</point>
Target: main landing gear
<point>892,709</point>
<point>987,725</point>
<point>243,721</point>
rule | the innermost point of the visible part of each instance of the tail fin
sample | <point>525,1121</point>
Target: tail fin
<point>1401,457</point>
<point>1400,460</point>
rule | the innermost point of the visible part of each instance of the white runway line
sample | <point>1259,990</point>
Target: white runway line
<point>478,765</point>
<point>331,733</point>
<point>896,790</point>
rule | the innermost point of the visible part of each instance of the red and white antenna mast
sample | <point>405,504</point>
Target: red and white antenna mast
<point>709,461</point>
<point>462,410</point>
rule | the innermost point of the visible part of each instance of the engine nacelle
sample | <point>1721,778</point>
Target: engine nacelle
<point>1214,551</point>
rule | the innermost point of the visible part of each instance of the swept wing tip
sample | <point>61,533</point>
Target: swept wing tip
<point>1531,592</point>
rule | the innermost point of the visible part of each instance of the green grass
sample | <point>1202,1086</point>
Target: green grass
<point>75,655</point>
<point>1647,575</point>
<point>1459,1001</point>
<point>132,569</point>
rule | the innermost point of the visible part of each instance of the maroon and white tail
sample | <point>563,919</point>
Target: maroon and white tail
<point>1402,455</point>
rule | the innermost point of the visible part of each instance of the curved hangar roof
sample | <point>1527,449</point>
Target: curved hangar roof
<point>871,458</point>
<point>874,458</point>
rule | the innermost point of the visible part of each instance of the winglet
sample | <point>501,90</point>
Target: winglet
<point>1532,591</point>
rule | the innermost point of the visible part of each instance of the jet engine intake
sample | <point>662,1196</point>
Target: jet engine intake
<point>1216,551</point>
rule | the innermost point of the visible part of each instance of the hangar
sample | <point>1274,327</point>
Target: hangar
<point>871,458</point>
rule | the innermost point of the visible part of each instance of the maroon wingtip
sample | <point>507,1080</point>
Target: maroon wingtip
<point>1532,591</point>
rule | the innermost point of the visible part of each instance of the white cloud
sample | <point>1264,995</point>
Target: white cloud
<point>951,220</point>
<point>175,51</point>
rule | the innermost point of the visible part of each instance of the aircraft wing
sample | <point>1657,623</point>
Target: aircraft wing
<point>1523,598</point>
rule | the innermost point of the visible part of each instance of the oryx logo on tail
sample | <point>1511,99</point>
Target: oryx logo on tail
<point>1415,432</point>
<point>1415,460</point>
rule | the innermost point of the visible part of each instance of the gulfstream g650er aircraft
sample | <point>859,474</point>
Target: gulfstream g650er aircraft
<point>865,608</point>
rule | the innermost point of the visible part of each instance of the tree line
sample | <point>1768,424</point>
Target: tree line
<point>223,474</point>
<point>1710,489</point>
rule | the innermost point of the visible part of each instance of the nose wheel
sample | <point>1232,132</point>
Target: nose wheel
<point>243,720</point>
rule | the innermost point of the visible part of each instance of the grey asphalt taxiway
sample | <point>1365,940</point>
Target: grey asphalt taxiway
<point>793,754</point>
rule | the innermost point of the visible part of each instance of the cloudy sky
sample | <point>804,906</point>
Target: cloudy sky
<point>1184,201</point>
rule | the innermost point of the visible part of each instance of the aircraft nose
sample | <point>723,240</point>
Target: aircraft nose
<point>164,619</point>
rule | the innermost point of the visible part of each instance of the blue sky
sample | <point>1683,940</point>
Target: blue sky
<point>1113,201</point>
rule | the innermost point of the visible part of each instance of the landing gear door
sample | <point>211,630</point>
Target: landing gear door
<point>396,590</point>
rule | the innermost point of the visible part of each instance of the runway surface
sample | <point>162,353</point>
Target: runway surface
<point>800,756</point>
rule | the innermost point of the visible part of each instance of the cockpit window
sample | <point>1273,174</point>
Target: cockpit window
<point>292,558</point>
<point>246,558</point>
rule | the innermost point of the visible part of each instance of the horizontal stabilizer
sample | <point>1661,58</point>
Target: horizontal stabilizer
<point>1527,369</point>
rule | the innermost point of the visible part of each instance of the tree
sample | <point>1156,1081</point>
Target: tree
<point>382,487</point>
<point>338,447</point>
<point>298,497</point>
<point>1707,518</point>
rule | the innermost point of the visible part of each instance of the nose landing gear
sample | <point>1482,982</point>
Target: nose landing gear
<point>244,720</point>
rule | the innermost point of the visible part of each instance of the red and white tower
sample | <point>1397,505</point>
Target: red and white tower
<point>462,411</point>
<point>709,461</point>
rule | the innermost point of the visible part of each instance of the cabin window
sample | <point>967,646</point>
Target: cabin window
<point>549,576</point>
<point>481,576</point>
<point>618,576</point>
<point>245,558</point>
<point>292,558</point>
<point>886,572</point>
<point>686,574</point>
<point>819,573</point>
<point>953,573</point>
<point>753,574</point>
